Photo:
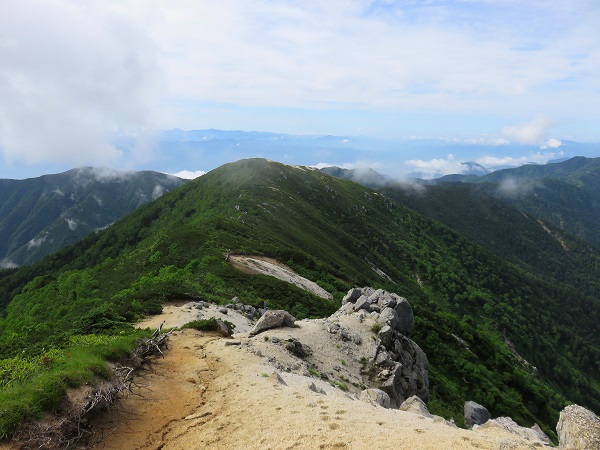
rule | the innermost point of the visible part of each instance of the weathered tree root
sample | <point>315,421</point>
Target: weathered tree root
<point>66,430</point>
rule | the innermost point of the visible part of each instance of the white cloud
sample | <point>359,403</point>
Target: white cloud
<point>484,141</point>
<point>36,242</point>
<point>71,75</point>
<point>426,56</point>
<point>551,143</point>
<point>436,167</point>
<point>74,73</point>
<point>512,187</point>
<point>189,175</point>
<point>72,223</point>
<point>8,264</point>
<point>532,132</point>
<point>158,191</point>
<point>98,200</point>
<point>514,161</point>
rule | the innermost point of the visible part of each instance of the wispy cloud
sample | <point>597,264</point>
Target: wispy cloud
<point>437,167</point>
<point>514,161</point>
<point>532,132</point>
<point>71,223</point>
<point>158,191</point>
<point>313,54</point>
<point>513,187</point>
<point>37,241</point>
<point>7,264</point>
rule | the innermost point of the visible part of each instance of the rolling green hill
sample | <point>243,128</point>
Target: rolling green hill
<point>41,215</point>
<point>519,343</point>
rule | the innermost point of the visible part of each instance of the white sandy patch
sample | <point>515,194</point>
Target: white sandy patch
<point>178,313</point>
<point>267,266</point>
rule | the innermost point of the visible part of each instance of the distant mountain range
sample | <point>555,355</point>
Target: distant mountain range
<point>205,149</point>
<point>41,215</point>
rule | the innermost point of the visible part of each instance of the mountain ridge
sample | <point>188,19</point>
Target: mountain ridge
<point>335,233</point>
<point>40,215</point>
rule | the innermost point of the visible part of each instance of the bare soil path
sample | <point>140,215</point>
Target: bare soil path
<point>205,394</point>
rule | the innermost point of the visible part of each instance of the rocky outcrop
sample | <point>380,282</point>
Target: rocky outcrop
<point>475,414</point>
<point>375,397</point>
<point>395,310</point>
<point>297,348</point>
<point>578,429</point>
<point>403,369</point>
<point>535,437</point>
<point>273,319</point>
<point>397,364</point>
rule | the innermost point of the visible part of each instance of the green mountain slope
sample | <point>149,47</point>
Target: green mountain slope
<point>509,233</point>
<point>565,195</point>
<point>41,215</point>
<point>474,310</point>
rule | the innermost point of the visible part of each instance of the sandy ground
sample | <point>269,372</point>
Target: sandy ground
<point>271,267</point>
<point>178,313</point>
<point>206,394</point>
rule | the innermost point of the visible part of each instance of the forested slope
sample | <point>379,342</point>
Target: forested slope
<point>40,215</point>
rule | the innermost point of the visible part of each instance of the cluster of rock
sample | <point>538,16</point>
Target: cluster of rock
<point>396,374</point>
<point>398,366</point>
<point>249,311</point>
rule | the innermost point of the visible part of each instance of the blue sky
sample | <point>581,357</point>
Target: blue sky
<point>73,75</point>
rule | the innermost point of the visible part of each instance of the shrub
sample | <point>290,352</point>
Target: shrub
<point>314,372</point>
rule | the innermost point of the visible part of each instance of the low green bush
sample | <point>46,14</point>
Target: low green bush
<point>30,386</point>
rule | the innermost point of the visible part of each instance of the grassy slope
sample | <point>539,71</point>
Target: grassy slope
<point>330,231</point>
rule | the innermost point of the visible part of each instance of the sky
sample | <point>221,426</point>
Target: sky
<point>517,76</point>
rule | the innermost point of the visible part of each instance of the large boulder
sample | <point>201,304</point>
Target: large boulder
<point>578,429</point>
<point>273,318</point>
<point>386,336</point>
<point>475,414</point>
<point>362,303</point>
<point>388,317</point>
<point>223,329</point>
<point>415,405</point>
<point>406,318</point>
<point>375,397</point>
<point>352,296</point>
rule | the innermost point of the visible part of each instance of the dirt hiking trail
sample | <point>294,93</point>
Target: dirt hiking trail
<point>208,394</point>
